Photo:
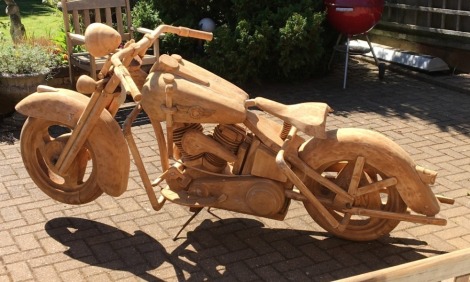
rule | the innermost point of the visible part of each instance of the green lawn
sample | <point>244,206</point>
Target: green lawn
<point>38,19</point>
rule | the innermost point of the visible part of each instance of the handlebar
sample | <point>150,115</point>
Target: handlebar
<point>123,57</point>
<point>127,82</point>
<point>187,32</point>
<point>181,31</point>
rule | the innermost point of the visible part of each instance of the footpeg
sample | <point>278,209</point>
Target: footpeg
<point>184,198</point>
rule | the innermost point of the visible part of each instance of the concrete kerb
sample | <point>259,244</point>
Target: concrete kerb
<point>449,80</point>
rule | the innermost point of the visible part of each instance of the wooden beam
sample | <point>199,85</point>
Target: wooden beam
<point>421,219</point>
<point>437,268</point>
<point>376,186</point>
<point>429,9</point>
<point>427,29</point>
<point>94,4</point>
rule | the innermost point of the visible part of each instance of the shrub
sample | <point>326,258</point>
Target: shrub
<point>27,58</point>
<point>253,40</point>
<point>144,15</point>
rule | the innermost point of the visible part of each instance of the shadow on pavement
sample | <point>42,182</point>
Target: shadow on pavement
<point>397,95</point>
<point>229,248</point>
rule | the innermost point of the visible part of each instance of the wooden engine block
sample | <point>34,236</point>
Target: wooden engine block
<point>249,195</point>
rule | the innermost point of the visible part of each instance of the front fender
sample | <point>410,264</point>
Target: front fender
<point>108,143</point>
<point>381,153</point>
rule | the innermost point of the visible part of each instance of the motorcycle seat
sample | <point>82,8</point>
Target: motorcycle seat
<point>309,118</point>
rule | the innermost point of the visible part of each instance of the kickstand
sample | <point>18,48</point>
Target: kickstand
<point>209,211</point>
<point>196,212</point>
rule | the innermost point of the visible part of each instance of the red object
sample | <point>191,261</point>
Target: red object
<point>353,17</point>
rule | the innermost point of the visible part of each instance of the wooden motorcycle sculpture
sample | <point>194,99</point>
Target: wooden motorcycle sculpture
<point>216,151</point>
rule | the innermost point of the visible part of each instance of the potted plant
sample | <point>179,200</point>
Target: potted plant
<point>23,67</point>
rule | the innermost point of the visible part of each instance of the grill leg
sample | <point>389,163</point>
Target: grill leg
<point>379,64</point>
<point>372,50</point>
<point>334,51</point>
<point>346,64</point>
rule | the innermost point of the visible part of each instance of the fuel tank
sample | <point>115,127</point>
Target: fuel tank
<point>191,94</point>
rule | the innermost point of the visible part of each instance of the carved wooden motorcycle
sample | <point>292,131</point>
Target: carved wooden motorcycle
<point>216,152</point>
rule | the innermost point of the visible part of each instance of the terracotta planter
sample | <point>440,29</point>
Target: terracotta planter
<point>13,88</point>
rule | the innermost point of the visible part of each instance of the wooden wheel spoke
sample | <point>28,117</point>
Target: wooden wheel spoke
<point>41,147</point>
<point>70,182</point>
<point>344,221</point>
<point>76,173</point>
<point>344,176</point>
<point>41,140</point>
<point>376,186</point>
<point>356,175</point>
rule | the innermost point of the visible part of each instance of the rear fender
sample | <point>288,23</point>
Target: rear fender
<point>380,152</point>
<point>112,155</point>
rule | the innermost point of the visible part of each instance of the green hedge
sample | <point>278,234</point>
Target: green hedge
<point>253,40</point>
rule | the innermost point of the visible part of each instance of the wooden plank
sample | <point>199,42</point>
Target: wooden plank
<point>94,4</point>
<point>120,27</point>
<point>430,9</point>
<point>443,16</point>
<point>65,17</point>
<point>129,21</point>
<point>435,268</point>
<point>426,39</point>
<point>97,15</point>
<point>464,278</point>
<point>86,17</point>
<point>428,29</point>
<point>429,13</point>
<point>109,17</point>
<point>389,12</point>
<point>457,17</point>
<point>76,21</point>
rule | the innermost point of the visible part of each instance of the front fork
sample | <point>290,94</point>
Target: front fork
<point>100,100</point>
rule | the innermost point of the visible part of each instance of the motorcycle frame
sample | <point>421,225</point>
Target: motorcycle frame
<point>104,97</point>
<point>304,195</point>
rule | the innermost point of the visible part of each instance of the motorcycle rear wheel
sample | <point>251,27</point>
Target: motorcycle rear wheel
<point>41,143</point>
<point>336,161</point>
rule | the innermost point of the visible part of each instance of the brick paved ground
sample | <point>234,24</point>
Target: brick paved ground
<point>123,239</point>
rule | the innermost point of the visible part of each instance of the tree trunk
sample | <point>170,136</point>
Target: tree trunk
<point>17,29</point>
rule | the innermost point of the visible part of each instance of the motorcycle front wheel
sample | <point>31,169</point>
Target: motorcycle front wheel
<point>41,142</point>
<point>336,161</point>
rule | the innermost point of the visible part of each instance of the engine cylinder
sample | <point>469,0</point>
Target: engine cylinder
<point>178,136</point>
<point>230,136</point>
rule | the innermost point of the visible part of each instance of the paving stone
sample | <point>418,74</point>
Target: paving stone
<point>7,240</point>
<point>19,270</point>
<point>27,242</point>
<point>22,255</point>
<point>47,273</point>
